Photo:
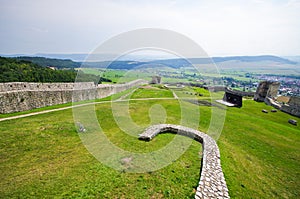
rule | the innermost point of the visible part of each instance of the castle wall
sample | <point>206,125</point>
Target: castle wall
<point>215,88</point>
<point>293,110</point>
<point>233,97</point>
<point>22,86</point>
<point>22,96</point>
<point>294,101</point>
<point>266,89</point>
<point>156,80</point>
<point>273,89</point>
<point>293,107</point>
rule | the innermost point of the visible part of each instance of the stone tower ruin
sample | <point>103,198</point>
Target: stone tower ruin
<point>156,80</point>
<point>266,89</point>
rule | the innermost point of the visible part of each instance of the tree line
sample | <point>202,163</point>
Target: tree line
<point>14,70</point>
<point>58,63</point>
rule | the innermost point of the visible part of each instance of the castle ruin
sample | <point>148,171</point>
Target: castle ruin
<point>267,92</point>
<point>266,89</point>
<point>233,97</point>
<point>292,107</point>
<point>23,96</point>
<point>156,80</point>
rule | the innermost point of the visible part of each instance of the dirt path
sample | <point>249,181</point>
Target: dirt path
<point>121,99</point>
<point>174,94</point>
<point>48,111</point>
<point>80,105</point>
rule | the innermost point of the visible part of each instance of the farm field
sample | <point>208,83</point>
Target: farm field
<point>43,156</point>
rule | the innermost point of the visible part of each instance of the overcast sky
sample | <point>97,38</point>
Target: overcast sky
<point>231,27</point>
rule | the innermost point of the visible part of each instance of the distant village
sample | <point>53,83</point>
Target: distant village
<point>289,85</point>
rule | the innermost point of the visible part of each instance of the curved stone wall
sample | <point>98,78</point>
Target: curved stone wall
<point>212,183</point>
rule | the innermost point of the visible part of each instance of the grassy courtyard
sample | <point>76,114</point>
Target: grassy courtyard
<point>43,156</point>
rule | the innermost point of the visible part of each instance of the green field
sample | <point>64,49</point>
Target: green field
<point>118,76</point>
<point>153,92</point>
<point>42,156</point>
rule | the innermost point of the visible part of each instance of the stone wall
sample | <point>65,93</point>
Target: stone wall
<point>267,92</point>
<point>294,101</point>
<point>266,89</point>
<point>22,96</point>
<point>293,106</point>
<point>212,183</point>
<point>25,86</point>
<point>215,88</point>
<point>156,80</point>
<point>233,97</point>
<point>243,93</point>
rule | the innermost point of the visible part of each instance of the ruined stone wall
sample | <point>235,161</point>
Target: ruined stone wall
<point>294,101</point>
<point>293,106</point>
<point>266,89</point>
<point>22,96</point>
<point>273,89</point>
<point>215,88</point>
<point>156,80</point>
<point>243,93</point>
<point>233,97</point>
<point>293,110</point>
<point>24,86</point>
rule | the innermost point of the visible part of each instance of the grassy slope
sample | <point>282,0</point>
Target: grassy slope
<point>43,156</point>
<point>260,153</point>
<point>153,92</point>
<point>119,76</point>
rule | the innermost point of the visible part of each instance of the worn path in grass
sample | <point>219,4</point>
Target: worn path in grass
<point>86,104</point>
<point>120,99</point>
<point>80,105</point>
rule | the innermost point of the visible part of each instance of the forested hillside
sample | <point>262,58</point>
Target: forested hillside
<point>58,63</point>
<point>13,70</point>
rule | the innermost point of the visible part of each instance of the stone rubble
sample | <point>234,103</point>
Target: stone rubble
<point>212,183</point>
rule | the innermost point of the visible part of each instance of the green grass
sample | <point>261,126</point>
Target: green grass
<point>5,115</point>
<point>197,93</point>
<point>152,92</point>
<point>260,158</point>
<point>43,156</point>
<point>118,76</point>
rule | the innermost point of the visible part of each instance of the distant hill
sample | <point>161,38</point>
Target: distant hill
<point>183,62</point>
<point>58,63</point>
<point>130,64</point>
<point>255,59</point>
<point>114,64</point>
<point>77,57</point>
<point>293,58</point>
<point>15,70</point>
<point>178,63</point>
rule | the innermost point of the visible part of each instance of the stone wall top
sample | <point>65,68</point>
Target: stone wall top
<point>31,86</point>
<point>294,101</point>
